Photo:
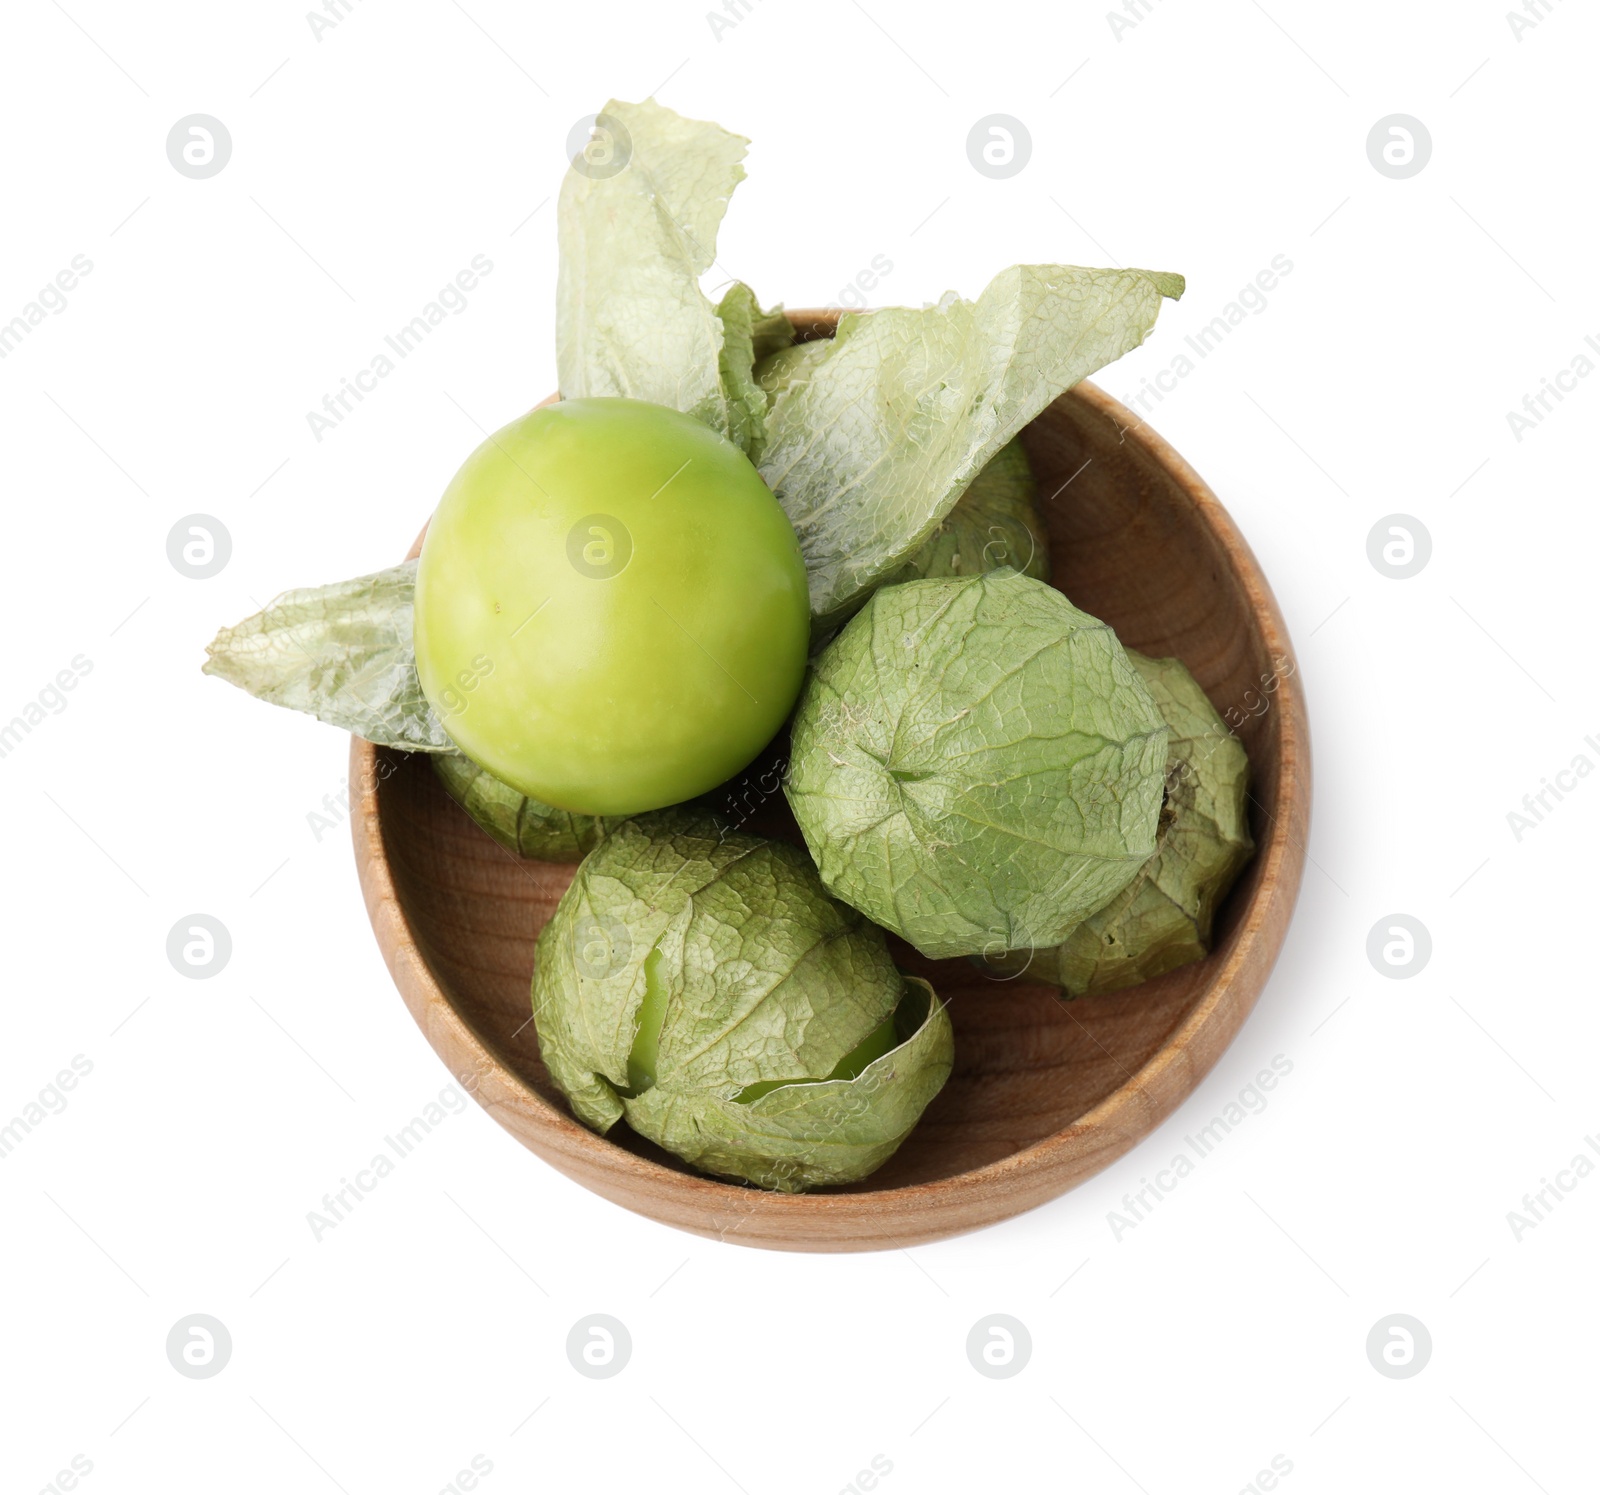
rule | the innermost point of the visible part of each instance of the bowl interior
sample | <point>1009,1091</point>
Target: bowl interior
<point>1135,540</point>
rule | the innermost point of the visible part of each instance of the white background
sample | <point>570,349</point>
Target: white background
<point>368,167</point>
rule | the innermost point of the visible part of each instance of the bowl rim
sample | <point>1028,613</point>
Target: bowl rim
<point>914,1213</point>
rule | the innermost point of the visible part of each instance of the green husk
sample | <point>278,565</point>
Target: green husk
<point>518,822</point>
<point>343,654</point>
<point>976,764</point>
<point>1163,918</point>
<point>898,413</point>
<point>754,975</point>
<point>995,523</point>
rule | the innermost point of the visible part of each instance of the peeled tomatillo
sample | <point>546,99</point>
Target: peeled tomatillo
<point>611,608</point>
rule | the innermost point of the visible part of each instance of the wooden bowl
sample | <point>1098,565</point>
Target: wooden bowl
<point>1044,1093</point>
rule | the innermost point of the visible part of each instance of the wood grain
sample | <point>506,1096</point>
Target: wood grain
<point>1045,1093</point>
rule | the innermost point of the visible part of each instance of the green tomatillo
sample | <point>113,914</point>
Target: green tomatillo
<point>705,988</point>
<point>611,610</point>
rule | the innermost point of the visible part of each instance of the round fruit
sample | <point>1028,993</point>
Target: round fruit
<point>611,610</point>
